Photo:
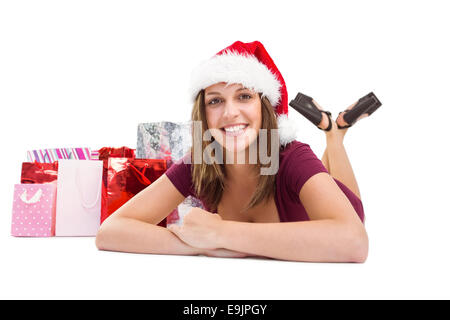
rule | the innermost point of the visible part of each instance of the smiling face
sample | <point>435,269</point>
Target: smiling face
<point>233,115</point>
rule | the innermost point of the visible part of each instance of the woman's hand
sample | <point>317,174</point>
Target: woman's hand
<point>200,229</point>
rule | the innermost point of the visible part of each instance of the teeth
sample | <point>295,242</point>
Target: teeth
<point>235,128</point>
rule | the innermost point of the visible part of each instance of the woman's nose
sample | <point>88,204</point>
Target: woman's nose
<point>231,110</point>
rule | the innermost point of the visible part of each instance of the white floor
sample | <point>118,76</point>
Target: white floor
<point>72,268</point>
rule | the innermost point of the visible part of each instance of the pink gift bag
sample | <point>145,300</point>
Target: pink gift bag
<point>79,197</point>
<point>34,207</point>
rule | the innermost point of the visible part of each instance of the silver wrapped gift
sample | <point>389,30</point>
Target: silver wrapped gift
<point>163,140</point>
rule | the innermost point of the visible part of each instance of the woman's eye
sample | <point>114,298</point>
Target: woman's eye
<point>211,102</point>
<point>246,97</point>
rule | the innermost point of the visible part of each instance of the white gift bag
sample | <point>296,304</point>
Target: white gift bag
<point>78,200</point>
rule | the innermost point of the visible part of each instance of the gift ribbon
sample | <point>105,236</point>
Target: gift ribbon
<point>86,206</point>
<point>140,175</point>
<point>37,196</point>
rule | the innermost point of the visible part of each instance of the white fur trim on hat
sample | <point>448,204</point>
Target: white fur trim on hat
<point>287,129</point>
<point>232,67</point>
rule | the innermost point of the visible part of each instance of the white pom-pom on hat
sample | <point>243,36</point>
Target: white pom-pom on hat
<point>287,129</point>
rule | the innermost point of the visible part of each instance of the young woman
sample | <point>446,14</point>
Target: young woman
<point>307,210</point>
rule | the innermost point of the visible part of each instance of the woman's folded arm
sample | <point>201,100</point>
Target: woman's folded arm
<point>131,235</point>
<point>334,233</point>
<point>133,227</point>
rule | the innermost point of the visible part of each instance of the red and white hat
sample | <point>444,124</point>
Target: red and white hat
<point>248,64</point>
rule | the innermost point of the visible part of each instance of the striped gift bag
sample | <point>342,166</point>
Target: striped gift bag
<point>52,155</point>
<point>95,154</point>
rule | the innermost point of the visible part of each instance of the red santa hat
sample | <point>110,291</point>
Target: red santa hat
<point>248,64</point>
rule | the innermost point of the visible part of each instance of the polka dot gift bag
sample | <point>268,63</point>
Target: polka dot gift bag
<point>34,210</point>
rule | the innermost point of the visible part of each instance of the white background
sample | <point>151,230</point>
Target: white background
<point>85,73</point>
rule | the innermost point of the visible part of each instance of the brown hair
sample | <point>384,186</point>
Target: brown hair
<point>209,179</point>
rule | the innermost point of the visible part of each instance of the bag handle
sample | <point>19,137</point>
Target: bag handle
<point>37,196</point>
<point>77,183</point>
<point>140,175</point>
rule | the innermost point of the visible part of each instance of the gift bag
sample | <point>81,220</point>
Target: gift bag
<point>127,177</point>
<point>104,154</point>
<point>78,202</point>
<point>33,212</point>
<point>35,172</point>
<point>170,141</point>
<point>52,155</point>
